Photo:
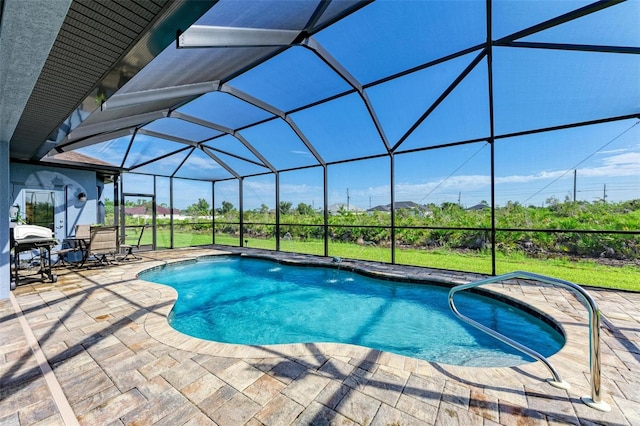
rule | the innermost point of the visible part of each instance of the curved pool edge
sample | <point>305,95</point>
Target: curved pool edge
<point>381,271</point>
<point>572,354</point>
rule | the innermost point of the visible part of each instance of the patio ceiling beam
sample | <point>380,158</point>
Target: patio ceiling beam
<point>205,36</point>
<point>312,26</point>
<point>568,126</point>
<point>201,122</point>
<point>129,146</point>
<point>577,47</point>
<point>92,140</point>
<point>230,154</point>
<point>167,137</point>
<point>307,143</point>
<point>254,151</point>
<point>252,100</point>
<point>184,160</point>
<point>219,161</point>
<point>154,95</point>
<point>275,111</point>
<point>443,59</point>
<point>583,11</point>
<point>441,98</point>
<point>258,104</point>
<point>162,157</point>
<point>91,130</point>
<point>230,132</point>
<point>336,66</point>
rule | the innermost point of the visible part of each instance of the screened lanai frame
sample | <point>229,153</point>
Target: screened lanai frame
<point>137,121</point>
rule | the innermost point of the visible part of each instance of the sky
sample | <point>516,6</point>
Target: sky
<point>532,89</point>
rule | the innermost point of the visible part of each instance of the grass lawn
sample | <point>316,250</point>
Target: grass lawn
<point>583,272</point>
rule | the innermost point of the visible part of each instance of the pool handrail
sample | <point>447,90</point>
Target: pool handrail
<point>595,400</point>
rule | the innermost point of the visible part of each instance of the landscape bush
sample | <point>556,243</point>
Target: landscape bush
<point>559,229</point>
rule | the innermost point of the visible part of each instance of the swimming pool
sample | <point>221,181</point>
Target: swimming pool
<point>233,299</point>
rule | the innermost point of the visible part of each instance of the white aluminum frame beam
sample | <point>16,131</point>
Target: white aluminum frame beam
<point>324,55</point>
<point>167,137</point>
<point>153,95</point>
<point>92,140</point>
<point>218,160</point>
<point>205,36</point>
<point>277,112</point>
<point>91,130</point>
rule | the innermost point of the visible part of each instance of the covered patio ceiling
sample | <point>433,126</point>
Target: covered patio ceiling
<point>277,85</point>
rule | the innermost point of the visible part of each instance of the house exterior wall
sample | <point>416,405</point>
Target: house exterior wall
<point>68,184</point>
<point>70,210</point>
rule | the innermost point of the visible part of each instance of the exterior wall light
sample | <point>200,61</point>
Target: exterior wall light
<point>82,197</point>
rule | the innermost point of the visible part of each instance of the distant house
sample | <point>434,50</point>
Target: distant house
<point>164,211</point>
<point>137,211</point>
<point>380,208</point>
<point>480,206</point>
<point>407,205</point>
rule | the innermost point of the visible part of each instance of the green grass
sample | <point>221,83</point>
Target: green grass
<point>583,272</point>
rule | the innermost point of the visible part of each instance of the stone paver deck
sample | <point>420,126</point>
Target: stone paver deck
<point>105,336</point>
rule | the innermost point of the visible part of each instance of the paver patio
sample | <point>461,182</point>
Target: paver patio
<point>105,337</point>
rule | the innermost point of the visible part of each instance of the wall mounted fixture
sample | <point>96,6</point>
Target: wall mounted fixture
<point>82,197</point>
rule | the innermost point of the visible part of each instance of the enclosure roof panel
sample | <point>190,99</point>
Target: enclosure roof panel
<point>182,129</point>
<point>295,78</point>
<point>385,38</point>
<point>276,85</point>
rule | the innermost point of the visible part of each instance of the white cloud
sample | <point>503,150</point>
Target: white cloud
<point>624,159</point>
<point>202,163</point>
<point>612,151</point>
<point>302,189</point>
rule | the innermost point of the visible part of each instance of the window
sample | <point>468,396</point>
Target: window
<point>40,208</point>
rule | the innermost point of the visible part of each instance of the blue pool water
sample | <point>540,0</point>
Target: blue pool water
<point>260,302</point>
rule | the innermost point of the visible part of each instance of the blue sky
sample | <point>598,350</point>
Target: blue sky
<point>533,88</point>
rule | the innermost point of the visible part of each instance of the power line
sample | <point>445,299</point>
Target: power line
<point>582,161</point>
<point>452,173</point>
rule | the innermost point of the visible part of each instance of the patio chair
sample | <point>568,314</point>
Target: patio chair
<point>129,247</point>
<point>77,247</point>
<point>103,243</point>
<point>65,252</point>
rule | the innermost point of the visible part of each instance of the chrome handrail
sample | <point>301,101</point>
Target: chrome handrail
<point>595,401</point>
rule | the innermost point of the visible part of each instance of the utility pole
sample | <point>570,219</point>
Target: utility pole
<point>575,175</point>
<point>604,193</point>
<point>347,199</point>
<point>459,195</point>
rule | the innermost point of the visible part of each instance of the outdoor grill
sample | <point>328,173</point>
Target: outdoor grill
<point>32,237</point>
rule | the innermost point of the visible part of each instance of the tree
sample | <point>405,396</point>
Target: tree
<point>264,209</point>
<point>305,209</point>
<point>285,207</point>
<point>201,208</point>
<point>552,201</point>
<point>227,207</point>
<point>109,208</point>
<point>447,205</point>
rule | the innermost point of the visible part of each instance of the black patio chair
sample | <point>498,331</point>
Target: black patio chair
<point>129,247</point>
